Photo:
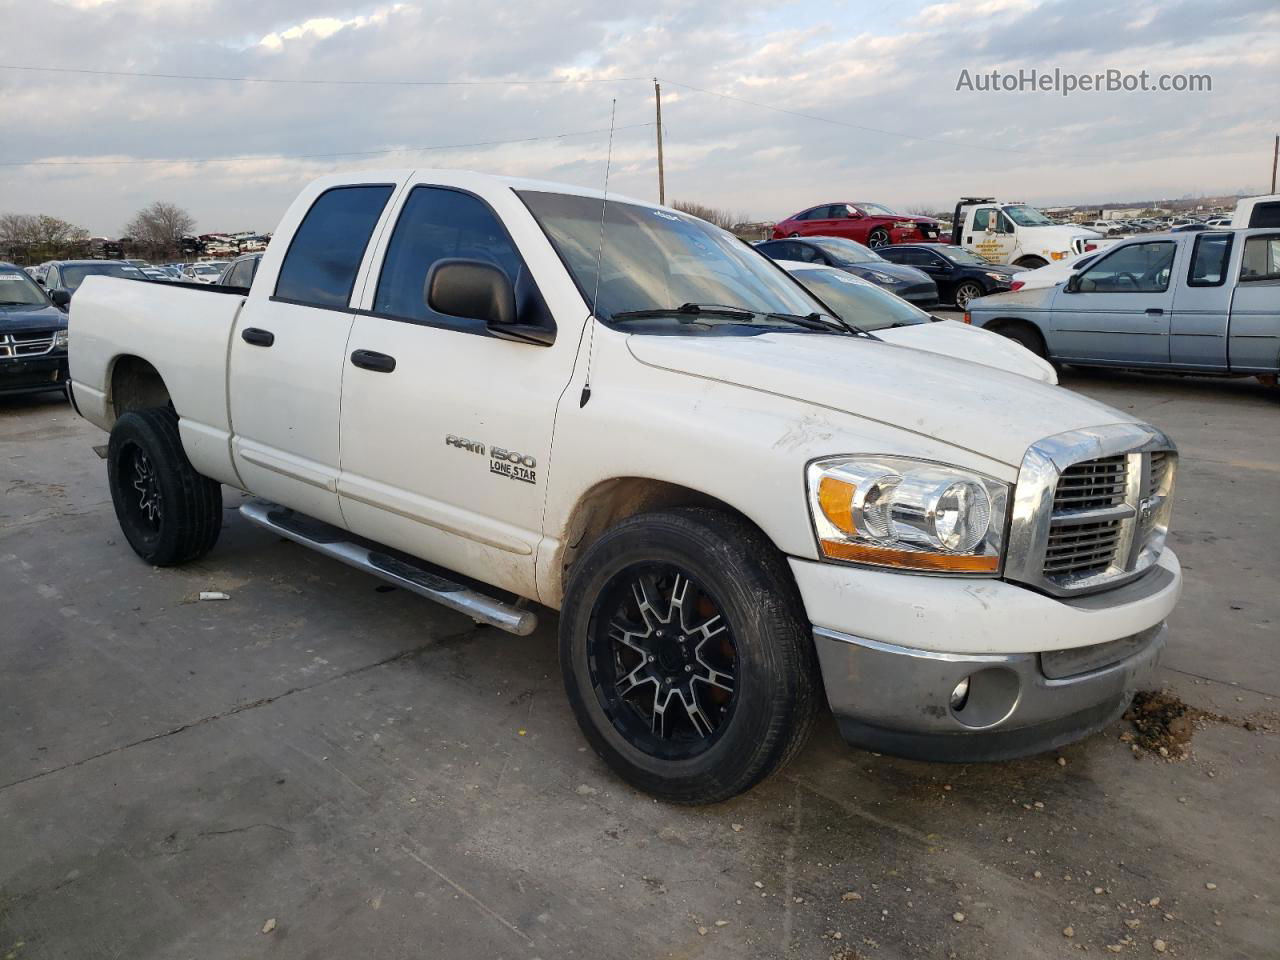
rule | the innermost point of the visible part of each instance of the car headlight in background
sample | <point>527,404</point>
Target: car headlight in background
<point>904,225</point>
<point>907,514</point>
<point>884,277</point>
<point>60,339</point>
<point>999,277</point>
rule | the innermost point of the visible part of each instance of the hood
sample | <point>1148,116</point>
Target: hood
<point>47,317</point>
<point>982,409</point>
<point>951,338</point>
<point>899,270</point>
<point>1025,299</point>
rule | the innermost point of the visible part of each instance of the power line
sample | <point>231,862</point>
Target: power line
<point>311,156</point>
<point>313,81</point>
<point>844,123</point>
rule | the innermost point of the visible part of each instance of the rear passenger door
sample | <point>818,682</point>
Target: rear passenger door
<point>1255,305</point>
<point>288,350</point>
<point>1202,305</point>
<point>446,446</point>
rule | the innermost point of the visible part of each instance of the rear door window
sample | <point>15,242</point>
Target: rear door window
<point>320,268</point>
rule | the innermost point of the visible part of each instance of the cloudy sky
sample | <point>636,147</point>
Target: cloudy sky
<point>863,97</point>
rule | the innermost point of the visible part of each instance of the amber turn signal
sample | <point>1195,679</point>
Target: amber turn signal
<point>910,559</point>
<point>835,497</point>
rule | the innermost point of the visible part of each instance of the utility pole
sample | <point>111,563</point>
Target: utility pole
<point>662,185</point>
<point>1275,156</point>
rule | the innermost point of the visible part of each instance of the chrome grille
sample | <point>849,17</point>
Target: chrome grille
<point>1091,509</point>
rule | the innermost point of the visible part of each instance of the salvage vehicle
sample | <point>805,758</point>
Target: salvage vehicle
<point>912,285</point>
<point>871,308</point>
<point>33,336</point>
<point>960,274</point>
<point>1015,233</point>
<point>873,224</point>
<point>499,392</point>
<point>1203,302</point>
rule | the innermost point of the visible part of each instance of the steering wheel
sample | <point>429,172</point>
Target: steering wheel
<point>1133,280</point>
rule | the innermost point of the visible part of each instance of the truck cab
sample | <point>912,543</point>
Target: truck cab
<point>1011,232</point>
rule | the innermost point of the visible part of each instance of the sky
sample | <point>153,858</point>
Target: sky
<point>768,107</point>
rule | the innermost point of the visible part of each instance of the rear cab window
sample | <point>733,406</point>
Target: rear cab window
<point>1209,260</point>
<point>1261,260</point>
<point>327,248</point>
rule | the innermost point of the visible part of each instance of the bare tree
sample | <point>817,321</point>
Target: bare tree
<point>35,238</point>
<point>724,219</point>
<point>160,227</point>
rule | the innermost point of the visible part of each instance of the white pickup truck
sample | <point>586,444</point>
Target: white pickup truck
<point>503,393</point>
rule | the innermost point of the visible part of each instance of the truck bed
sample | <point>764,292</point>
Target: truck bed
<point>114,318</point>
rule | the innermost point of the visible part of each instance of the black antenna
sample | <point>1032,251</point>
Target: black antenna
<point>595,295</point>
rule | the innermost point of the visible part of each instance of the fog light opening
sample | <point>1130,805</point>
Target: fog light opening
<point>960,695</point>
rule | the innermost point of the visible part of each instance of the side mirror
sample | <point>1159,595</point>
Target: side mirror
<point>1073,284</point>
<point>480,291</point>
<point>40,280</point>
<point>60,298</point>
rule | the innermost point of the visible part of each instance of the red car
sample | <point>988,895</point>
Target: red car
<point>872,224</point>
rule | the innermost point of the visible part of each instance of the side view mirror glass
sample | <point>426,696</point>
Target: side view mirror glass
<point>60,298</point>
<point>1073,283</point>
<point>472,289</point>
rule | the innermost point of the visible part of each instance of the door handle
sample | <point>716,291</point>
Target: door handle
<point>1155,312</point>
<point>372,360</point>
<point>257,337</point>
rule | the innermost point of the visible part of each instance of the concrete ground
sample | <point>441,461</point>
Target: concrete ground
<point>364,774</point>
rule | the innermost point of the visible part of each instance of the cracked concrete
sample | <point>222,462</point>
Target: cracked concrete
<point>384,779</point>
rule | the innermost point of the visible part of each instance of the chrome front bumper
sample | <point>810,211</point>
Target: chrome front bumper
<point>899,700</point>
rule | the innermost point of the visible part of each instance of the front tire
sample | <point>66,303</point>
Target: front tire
<point>686,655</point>
<point>168,512</point>
<point>879,237</point>
<point>1028,336</point>
<point>1031,263</point>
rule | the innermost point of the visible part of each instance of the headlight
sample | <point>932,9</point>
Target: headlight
<point>60,339</point>
<point>907,514</point>
<point>884,277</point>
<point>904,225</point>
<point>1000,277</point>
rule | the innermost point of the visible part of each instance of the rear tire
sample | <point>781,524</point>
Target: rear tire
<point>969,290</point>
<point>168,512</point>
<point>686,655</point>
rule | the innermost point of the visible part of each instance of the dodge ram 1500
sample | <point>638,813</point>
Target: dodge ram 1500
<point>504,393</point>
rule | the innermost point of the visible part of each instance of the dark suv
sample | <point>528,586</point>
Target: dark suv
<point>33,336</point>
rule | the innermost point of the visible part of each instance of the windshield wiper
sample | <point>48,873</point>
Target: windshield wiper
<point>687,309</point>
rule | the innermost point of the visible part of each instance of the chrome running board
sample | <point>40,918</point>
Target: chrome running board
<point>349,549</point>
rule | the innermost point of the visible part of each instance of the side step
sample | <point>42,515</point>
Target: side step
<point>346,547</point>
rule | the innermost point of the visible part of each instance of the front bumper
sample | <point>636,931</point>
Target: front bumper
<point>1043,671</point>
<point>898,700</point>
<point>33,375</point>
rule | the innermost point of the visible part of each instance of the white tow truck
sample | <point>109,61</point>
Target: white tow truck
<point>511,396</point>
<point>1016,233</point>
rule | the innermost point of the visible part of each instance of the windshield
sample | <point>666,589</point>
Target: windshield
<point>19,290</point>
<point>876,210</point>
<point>73,275</point>
<point>1025,216</point>
<point>846,251</point>
<point>655,260</point>
<point>860,303</point>
<point>960,255</point>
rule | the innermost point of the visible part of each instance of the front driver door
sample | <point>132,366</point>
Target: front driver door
<point>446,448</point>
<point>1117,309</point>
<point>992,236</point>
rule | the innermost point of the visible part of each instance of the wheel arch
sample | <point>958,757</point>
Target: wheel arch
<point>1003,324</point>
<point>1031,262</point>
<point>611,501</point>
<point>134,383</point>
